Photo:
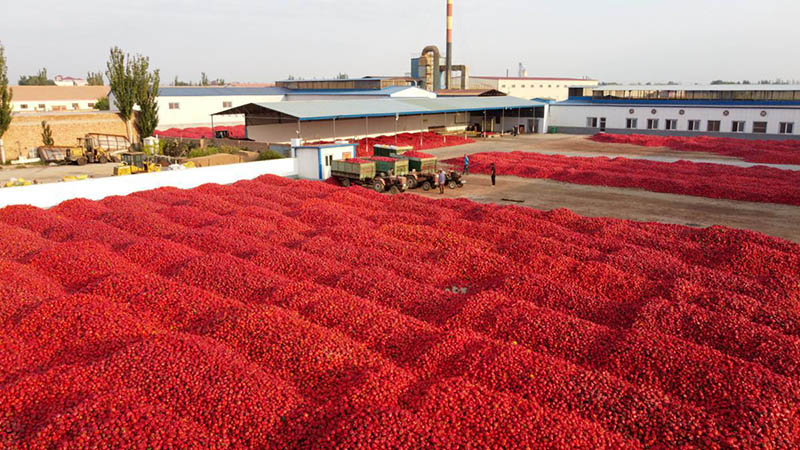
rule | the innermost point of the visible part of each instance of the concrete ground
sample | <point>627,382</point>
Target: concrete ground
<point>53,174</point>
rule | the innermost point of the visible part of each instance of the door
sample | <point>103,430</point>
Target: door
<point>532,126</point>
<point>603,124</point>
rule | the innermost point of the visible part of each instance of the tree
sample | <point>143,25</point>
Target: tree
<point>102,104</point>
<point>40,79</point>
<point>203,79</point>
<point>130,80</point>
<point>178,82</point>
<point>95,79</point>
<point>342,76</point>
<point>47,135</point>
<point>147,98</point>
<point>6,94</point>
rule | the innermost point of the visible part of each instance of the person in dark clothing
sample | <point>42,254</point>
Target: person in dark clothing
<point>494,174</point>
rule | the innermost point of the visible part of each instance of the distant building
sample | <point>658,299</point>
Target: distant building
<point>745,111</point>
<point>542,88</point>
<point>56,98</point>
<point>69,81</point>
<point>190,107</point>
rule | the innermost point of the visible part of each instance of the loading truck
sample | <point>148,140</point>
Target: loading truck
<point>364,173</point>
<point>421,167</point>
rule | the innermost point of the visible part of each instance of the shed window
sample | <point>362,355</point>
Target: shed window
<point>714,126</point>
<point>42,106</point>
<point>23,106</point>
<point>672,124</point>
<point>632,124</point>
<point>737,126</point>
<point>76,106</point>
<point>227,104</point>
<point>760,127</point>
<point>694,125</point>
<point>174,106</point>
<point>787,127</point>
<point>591,122</point>
<point>652,124</point>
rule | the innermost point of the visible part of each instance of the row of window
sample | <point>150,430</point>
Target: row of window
<point>714,126</point>
<point>533,86</point>
<point>178,105</point>
<point>42,106</point>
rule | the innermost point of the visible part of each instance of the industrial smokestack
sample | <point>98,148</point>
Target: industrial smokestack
<point>449,63</point>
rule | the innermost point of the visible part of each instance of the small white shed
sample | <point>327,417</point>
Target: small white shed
<point>314,161</point>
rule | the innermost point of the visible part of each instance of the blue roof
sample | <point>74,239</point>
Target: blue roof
<point>385,91</point>
<point>218,91</point>
<point>343,109</point>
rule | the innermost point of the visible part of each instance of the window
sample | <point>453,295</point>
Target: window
<point>549,85</point>
<point>760,127</point>
<point>672,124</point>
<point>76,106</point>
<point>632,124</point>
<point>59,107</point>
<point>227,104</point>
<point>523,86</point>
<point>652,124</point>
<point>591,122</point>
<point>328,160</point>
<point>513,86</point>
<point>91,105</point>
<point>714,126</point>
<point>738,126</point>
<point>23,106</point>
<point>42,106</point>
<point>502,86</point>
<point>174,106</point>
<point>694,125</point>
<point>787,128</point>
<point>541,85</point>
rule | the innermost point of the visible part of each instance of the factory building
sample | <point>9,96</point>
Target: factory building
<point>742,111</point>
<point>332,120</point>
<point>189,107</point>
<point>530,87</point>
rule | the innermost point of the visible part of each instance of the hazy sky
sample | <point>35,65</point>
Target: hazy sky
<point>265,40</point>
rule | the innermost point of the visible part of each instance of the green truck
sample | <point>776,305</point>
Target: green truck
<point>421,171</point>
<point>364,173</point>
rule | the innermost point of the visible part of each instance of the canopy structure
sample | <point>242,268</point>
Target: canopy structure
<point>352,109</point>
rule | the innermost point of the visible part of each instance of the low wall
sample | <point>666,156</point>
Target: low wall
<point>25,131</point>
<point>48,195</point>
<point>680,133</point>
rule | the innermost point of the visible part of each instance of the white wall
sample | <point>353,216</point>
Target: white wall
<point>48,195</point>
<point>311,159</point>
<point>616,115</point>
<point>351,128</point>
<point>530,89</point>
<point>197,111</point>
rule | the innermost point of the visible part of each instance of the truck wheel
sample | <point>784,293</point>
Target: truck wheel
<point>378,186</point>
<point>394,190</point>
<point>103,159</point>
<point>452,184</point>
<point>426,186</point>
<point>412,183</point>
<point>82,161</point>
<point>345,182</point>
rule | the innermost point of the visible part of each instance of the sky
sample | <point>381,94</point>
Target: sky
<point>266,40</point>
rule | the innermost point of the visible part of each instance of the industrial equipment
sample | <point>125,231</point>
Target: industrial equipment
<point>136,162</point>
<point>364,173</point>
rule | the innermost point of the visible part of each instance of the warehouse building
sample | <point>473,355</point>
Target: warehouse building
<point>189,107</point>
<point>743,111</point>
<point>39,99</point>
<point>543,88</point>
<point>331,120</point>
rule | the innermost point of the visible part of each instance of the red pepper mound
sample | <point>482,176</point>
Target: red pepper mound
<point>759,151</point>
<point>234,132</point>
<point>415,154</point>
<point>357,161</point>
<point>752,184</point>
<point>381,158</point>
<point>277,313</point>
<point>427,140</point>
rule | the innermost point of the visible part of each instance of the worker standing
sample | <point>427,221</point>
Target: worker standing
<point>494,175</point>
<point>442,180</point>
<point>466,164</point>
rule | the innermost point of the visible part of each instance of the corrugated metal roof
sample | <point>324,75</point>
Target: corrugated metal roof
<point>341,109</point>
<point>385,91</point>
<point>218,91</point>
<point>695,87</point>
<point>473,77</point>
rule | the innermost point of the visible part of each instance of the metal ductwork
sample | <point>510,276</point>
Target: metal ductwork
<point>449,63</point>
<point>433,72</point>
<point>464,69</point>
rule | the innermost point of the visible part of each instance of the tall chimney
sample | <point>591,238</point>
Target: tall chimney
<point>449,63</point>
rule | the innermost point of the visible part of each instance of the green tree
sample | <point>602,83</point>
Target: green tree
<point>130,79</point>
<point>178,82</point>
<point>6,94</point>
<point>147,98</point>
<point>47,135</point>
<point>102,104</point>
<point>342,76</point>
<point>40,79</point>
<point>203,79</point>
<point>95,79</point>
